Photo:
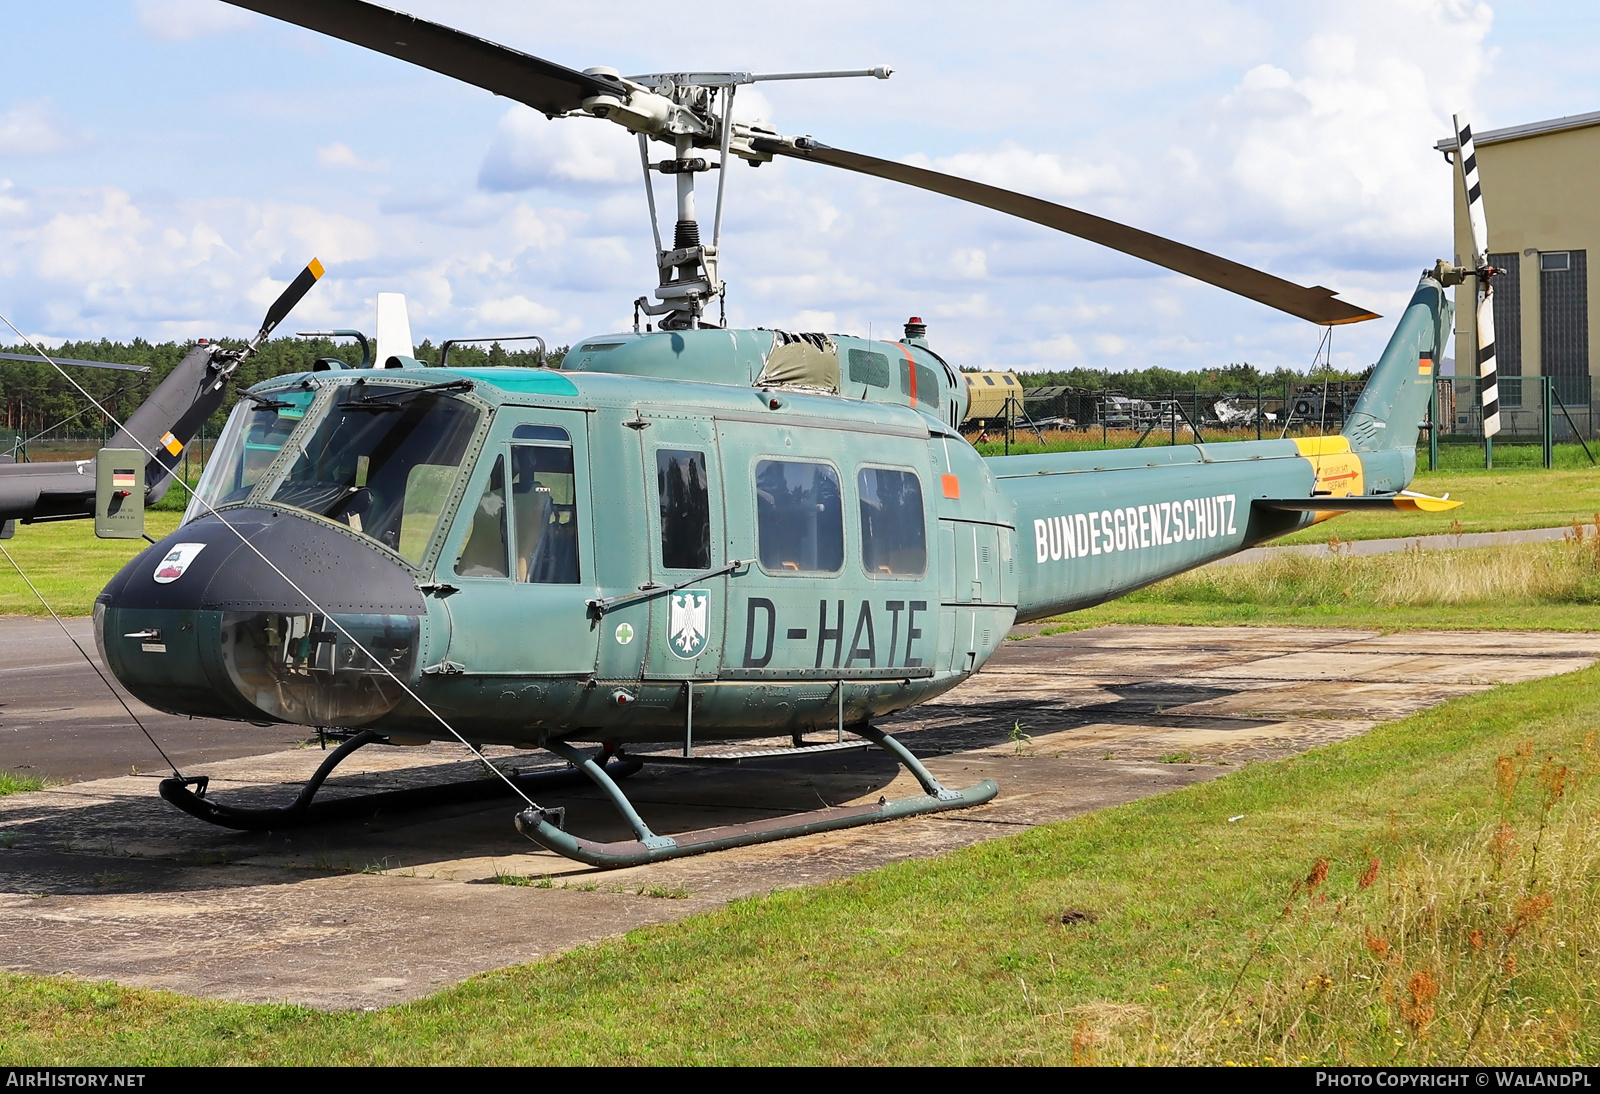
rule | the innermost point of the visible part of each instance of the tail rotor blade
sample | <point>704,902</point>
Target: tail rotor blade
<point>1467,161</point>
<point>291,296</point>
<point>1487,371</point>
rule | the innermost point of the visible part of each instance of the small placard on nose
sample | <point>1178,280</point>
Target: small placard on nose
<point>952,487</point>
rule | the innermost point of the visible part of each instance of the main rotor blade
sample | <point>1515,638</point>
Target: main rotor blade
<point>1316,303</point>
<point>543,85</point>
<point>35,359</point>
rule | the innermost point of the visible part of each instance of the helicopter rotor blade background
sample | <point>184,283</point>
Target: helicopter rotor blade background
<point>544,85</point>
<point>1317,304</point>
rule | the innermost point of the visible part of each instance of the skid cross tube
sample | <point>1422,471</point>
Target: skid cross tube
<point>303,810</point>
<point>647,846</point>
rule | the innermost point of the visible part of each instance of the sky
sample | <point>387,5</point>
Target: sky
<point>167,166</point>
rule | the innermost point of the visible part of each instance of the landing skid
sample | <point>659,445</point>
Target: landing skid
<point>543,826</point>
<point>303,810</point>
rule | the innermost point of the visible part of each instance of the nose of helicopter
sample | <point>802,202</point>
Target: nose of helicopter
<point>202,623</point>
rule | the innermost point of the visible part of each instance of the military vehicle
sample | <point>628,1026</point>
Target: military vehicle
<point>686,534</point>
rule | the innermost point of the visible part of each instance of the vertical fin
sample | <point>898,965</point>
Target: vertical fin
<point>394,328</point>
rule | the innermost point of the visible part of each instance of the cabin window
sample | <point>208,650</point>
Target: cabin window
<point>486,551</point>
<point>799,517</point>
<point>544,509</point>
<point>685,509</point>
<point>893,534</point>
<point>927,383</point>
<point>867,367</point>
<point>989,380</point>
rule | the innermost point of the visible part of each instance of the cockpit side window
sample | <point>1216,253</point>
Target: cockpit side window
<point>486,550</point>
<point>544,507</point>
<point>685,509</point>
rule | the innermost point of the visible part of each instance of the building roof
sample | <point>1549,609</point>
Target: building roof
<point>1530,129</point>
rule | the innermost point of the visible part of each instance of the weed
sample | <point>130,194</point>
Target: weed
<point>11,783</point>
<point>542,881</point>
<point>1019,739</point>
<point>1178,758</point>
<point>106,878</point>
<point>8,840</point>
<point>676,892</point>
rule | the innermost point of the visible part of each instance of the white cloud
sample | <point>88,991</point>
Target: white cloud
<point>1041,174</point>
<point>1062,349</point>
<point>183,20</point>
<point>515,311</point>
<point>528,151</point>
<point>339,155</point>
<point>94,245</point>
<point>34,128</point>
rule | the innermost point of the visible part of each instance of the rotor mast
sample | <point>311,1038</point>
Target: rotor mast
<point>690,111</point>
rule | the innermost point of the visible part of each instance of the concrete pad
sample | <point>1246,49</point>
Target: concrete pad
<point>101,879</point>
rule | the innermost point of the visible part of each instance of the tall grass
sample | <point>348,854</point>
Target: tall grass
<point>1529,574</point>
<point>1434,955</point>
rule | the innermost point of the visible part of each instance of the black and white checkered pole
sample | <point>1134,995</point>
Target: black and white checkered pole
<point>1467,160</point>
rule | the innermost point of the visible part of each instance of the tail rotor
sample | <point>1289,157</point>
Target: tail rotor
<point>1467,161</point>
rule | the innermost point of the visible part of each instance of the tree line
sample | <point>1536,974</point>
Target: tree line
<point>1151,382</point>
<point>36,398</point>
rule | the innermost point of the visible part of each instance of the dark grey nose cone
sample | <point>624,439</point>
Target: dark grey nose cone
<point>202,624</point>
<point>337,571</point>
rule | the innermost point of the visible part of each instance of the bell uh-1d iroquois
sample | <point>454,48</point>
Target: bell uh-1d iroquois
<point>685,534</point>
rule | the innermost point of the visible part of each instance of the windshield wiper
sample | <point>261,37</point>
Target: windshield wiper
<point>266,402</point>
<point>377,403</point>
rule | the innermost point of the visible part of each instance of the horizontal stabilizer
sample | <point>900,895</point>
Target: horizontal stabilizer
<point>1405,500</point>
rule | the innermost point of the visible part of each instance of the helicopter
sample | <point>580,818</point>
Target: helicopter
<point>686,533</point>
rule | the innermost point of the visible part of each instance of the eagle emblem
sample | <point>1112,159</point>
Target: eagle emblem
<point>686,627</point>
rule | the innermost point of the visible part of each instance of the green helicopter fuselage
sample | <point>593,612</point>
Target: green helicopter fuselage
<point>783,531</point>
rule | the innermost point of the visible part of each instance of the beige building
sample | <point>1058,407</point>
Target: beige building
<point>1541,193</point>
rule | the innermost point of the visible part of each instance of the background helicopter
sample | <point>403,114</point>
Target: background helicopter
<point>688,533</point>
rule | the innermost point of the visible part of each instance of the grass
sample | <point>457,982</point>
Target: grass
<point>1538,586</point>
<point>68,564</point>
<point>11,783</point>
<point>1429,892</point>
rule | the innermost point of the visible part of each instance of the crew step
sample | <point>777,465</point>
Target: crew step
<point>712,758</point>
